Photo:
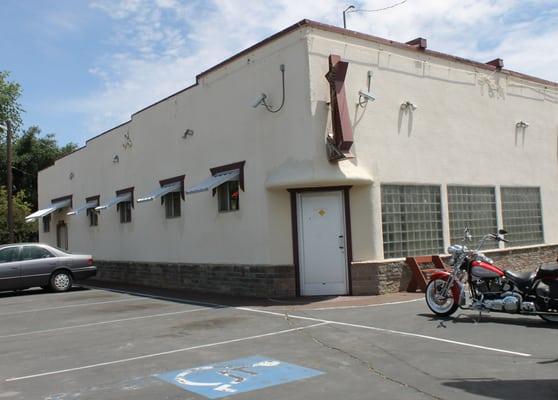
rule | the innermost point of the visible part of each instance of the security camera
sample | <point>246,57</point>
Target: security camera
<point>259,100</point>
<point>366,95</point>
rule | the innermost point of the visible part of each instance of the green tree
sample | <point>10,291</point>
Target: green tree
<point>10,108</point>
<point>33,153</point>
<point>23,231</point>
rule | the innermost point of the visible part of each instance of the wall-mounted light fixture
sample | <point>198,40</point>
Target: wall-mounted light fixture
<point>408,106</point>
<point>188,132</point>
<point>116,159</point>
<point>364,96</point>
<point>262,98</point>
<point>522,125</point>
<point>71,176</point>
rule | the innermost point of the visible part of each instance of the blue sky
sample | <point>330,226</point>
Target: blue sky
<point>86,66</point>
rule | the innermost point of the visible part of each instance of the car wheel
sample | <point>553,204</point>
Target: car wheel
<point>61,281</point>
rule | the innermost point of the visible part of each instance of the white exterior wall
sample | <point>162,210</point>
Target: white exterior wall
<point>460,134</point>
<point>226,130</point>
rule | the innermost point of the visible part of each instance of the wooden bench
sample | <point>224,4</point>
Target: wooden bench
<point>420,277</point>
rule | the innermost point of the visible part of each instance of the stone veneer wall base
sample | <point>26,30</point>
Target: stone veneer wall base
<point>372,278</point>
<point>245,280</point>
<point>368,278</point>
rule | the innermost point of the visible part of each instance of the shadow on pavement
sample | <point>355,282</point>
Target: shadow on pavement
<point>530,322</point>
<point>193,297</point>
<point>540,389</point>
<point>36,292</point>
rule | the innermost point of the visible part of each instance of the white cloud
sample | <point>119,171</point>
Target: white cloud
<point>160,46</point>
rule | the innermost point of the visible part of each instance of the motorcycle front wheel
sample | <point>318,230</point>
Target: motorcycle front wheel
<point>442,305</point>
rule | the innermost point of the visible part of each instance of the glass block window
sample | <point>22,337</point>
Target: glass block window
<point>521,209</point>
<point>474,208</point>
<point>411,220</point>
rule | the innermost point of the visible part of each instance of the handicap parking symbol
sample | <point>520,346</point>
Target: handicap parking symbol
<point>237,376</point>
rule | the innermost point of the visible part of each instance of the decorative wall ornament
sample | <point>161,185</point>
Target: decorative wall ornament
<point>127,141</point>
<point>492,85</point>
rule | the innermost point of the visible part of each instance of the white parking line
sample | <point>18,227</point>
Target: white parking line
<point>67,306</point>
<point>31,296</point>
<point>390,331</point>
<point>164,353</point>
<point>157,297</point>
<point>363,306</point>
<point>12,335</point>
<point>373,328</point>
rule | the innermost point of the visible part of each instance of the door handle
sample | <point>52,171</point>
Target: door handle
<point>341,242</point>
<point>14,267</point>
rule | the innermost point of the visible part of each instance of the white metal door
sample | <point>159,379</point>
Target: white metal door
<point>322,243</point>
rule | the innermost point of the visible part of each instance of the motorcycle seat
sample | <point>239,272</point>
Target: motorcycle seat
<point>548,270</point>
<point>521,278</point>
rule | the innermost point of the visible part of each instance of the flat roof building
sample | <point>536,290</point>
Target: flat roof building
<point>313,163</point>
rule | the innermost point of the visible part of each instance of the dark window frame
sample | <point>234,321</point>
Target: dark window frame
<point>173,206</point>
<point>174,211</point>
<point>220,189</point>
<point>227,201</point>
<point>168,181</point>
<point>46,223</point>
<point>125,212</point>
<point>125,208</point>
<point>62,198</point>
<point>91,212</point>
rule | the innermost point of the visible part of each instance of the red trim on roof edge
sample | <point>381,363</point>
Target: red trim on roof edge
<point>335,29</point>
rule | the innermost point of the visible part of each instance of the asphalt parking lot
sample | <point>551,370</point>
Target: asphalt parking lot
<point>101,344</point>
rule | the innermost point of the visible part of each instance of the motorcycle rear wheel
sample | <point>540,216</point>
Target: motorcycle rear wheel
<point>438,304</point>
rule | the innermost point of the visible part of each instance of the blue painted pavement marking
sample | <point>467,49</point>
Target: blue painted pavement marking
<point>237,376</point>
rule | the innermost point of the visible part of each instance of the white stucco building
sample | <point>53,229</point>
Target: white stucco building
<point>421,144</point>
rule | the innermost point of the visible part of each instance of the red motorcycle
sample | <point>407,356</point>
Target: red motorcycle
<point>475,283</point>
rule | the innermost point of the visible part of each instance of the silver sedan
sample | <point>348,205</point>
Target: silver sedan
<point>25,265</point>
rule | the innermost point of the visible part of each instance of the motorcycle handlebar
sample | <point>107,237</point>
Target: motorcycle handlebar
<point>499,238</point>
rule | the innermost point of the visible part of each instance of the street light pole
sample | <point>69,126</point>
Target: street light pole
<point>344,15</point>
<point>9,182</point>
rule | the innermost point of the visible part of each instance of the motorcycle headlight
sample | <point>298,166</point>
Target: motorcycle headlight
<point>451,260</point>
<point>453,249</point>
